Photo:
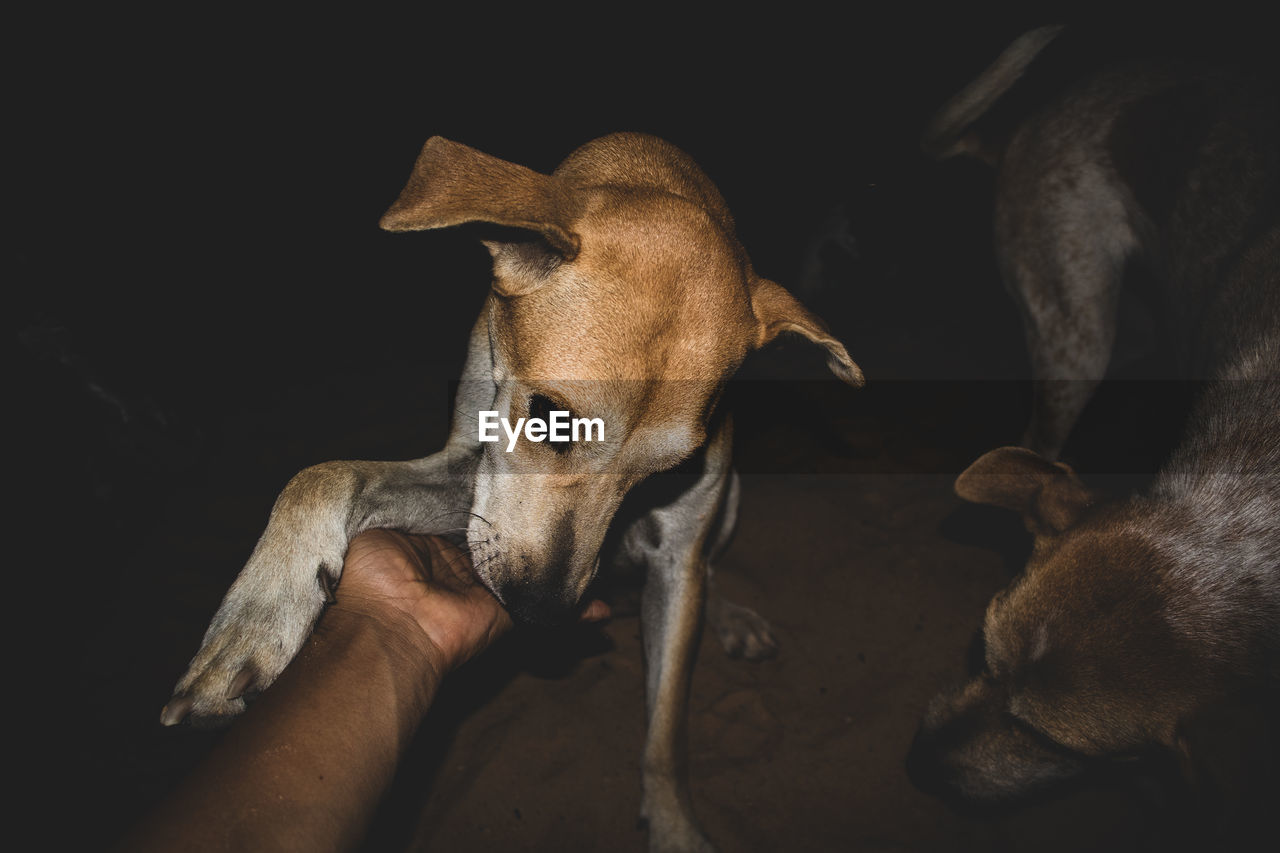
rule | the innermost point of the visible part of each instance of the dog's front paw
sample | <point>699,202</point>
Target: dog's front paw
<point>672,831</point>
<point>742,631</point>
<point>693,842</point>
<point>255,633</point>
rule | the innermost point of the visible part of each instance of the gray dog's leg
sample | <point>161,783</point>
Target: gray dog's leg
<point>1063,234</point>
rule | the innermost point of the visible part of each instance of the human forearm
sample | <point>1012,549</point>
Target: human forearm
<point>305,767</point>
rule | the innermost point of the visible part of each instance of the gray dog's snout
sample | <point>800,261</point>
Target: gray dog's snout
<point>976,757</point>
<point>925,766</point>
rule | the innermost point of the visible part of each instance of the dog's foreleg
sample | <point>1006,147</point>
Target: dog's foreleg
<point>672,607</point>
<point>273,604</point>
<point>271,607</point>
<point>1062,257</point>
<point>742,631</point>
<point>672,540</point>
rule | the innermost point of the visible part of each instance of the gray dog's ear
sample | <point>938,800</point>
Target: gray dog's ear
<point>1049,495</point>
<point>453,184</point>
<point>777,311</point>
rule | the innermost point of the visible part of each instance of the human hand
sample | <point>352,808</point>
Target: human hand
<point>390,574</point>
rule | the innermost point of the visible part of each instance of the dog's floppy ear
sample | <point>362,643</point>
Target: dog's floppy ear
<point>1049,495</point>
<point>453,184</point>
<point>777,311</point>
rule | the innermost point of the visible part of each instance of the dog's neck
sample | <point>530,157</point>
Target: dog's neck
<point>1211,514</point>
<point>1218,536</point>
<point>1212,510</point>
<point>1228,463</point>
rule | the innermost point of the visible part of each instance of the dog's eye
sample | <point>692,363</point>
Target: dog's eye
<point>1042,738</point>
<point>541,407</point>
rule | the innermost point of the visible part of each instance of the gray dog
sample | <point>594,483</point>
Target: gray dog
<point>1134,623</point>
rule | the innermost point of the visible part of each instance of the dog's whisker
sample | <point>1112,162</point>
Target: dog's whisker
<point>460,512</point>
<point>442,513</point>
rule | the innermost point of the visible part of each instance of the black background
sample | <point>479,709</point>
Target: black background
<point>196,273</point>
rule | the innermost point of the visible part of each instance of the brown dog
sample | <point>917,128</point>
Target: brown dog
<point>1135,623</point>
<point>620,296</point>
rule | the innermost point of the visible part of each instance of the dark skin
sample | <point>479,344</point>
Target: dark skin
<point>307,764</point>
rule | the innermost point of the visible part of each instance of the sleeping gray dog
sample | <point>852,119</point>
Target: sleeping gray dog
<point>1135,625</point>
<point>620,296</point>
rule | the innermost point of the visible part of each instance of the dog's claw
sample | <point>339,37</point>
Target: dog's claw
<point>257,630</point>
<point>240,683</point>
<point>176,711</point>
<point>214,688</point>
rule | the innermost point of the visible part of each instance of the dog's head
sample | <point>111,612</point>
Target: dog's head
<point>1088,655</point>
<point>620,293</point>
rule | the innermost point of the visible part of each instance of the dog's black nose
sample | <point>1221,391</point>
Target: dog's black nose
<point>923,767</point>
<point>936,771</point>
<point>529,605</point>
